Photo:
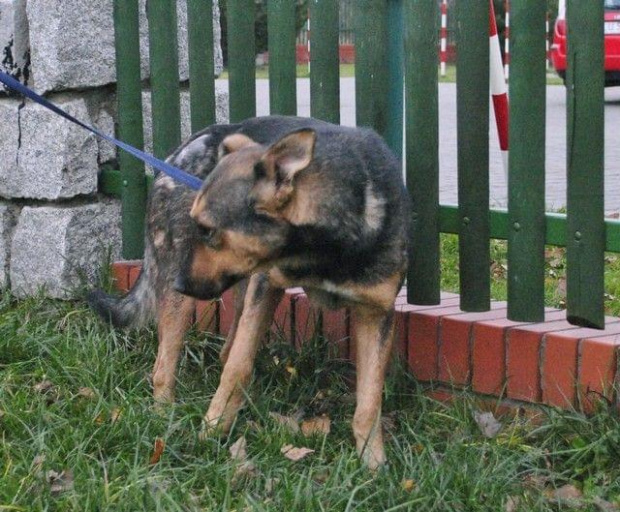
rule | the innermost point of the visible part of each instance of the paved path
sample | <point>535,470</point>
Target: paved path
<point>556,141</point>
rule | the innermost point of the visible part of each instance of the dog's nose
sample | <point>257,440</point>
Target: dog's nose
<point>180,285</point>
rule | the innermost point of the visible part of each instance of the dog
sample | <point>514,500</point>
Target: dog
<point>322,207</point>
<point>170,233</point>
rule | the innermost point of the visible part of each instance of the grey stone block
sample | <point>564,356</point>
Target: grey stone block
<point>221,115</point>
<point>8,219</point>
<point>56,159</point>
<point>218,57</point>
<point>14,47</point>
<point>72,43</point>
<point>54,249</point>
<point>9,141</point>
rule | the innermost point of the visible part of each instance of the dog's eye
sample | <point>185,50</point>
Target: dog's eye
<point>259,171</point>
<point>208,236</point>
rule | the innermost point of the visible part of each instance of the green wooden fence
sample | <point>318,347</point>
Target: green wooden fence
<point>396,43</point>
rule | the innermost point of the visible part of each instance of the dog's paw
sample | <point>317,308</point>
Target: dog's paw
<point>212,428</point>
<point>162,408</point>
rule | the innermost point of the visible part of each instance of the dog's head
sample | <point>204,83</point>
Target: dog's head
<point>241,225</point>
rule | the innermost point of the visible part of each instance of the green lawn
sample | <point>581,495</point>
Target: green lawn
<point>348,70</point>
<point>555,273</point>
<point>77,432</point>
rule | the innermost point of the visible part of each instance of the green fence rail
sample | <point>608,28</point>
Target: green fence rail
<point>397,43</point>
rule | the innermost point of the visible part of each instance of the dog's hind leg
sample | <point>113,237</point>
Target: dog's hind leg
<point>374,329</point>
<point>175,316</point>
<point>261,300</point>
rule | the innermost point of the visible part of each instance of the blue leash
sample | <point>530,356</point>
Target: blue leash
<point>177,174</point>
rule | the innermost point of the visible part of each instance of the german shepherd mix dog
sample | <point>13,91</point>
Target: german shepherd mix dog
<point>323,207</point>
<point>170,235</point>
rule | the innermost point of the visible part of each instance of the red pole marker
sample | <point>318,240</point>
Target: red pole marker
<point>499,91</point>
<point>443,54</point>
<point>507,40</point>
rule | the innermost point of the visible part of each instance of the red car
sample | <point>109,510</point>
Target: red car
<point>612,42</point>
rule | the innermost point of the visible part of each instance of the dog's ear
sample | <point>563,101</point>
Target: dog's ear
<point>291,154</point>
<point>233,143</point>
<point>277,168</point>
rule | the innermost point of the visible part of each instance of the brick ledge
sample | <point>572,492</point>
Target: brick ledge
<point>552,363</point>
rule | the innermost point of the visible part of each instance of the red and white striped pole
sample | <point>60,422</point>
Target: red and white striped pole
<point>547,41</point>
<point>443,54</point>
<point>308,41</point>
<point>507,40</point>
<point>499,91</point>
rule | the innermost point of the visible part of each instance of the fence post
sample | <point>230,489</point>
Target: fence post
<point>130,126</point>
<point>394,131</point>
<point>526,178</point>
<point>585,138</point>
<point>241,59</point>
<point>201,66</point>
<point>324,56</point>
<point>422,148</point>
<point>371,64</point>
<point>282,64</point>
<point>165,89</point>
<point>472,89</point>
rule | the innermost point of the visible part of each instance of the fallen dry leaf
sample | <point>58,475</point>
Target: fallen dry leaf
<point>44,386</point>
<point>245,467</point>
<point>270,485</point>
<point>100,418</point>
<point>238,450</point>
<point>567,492</point>
<point>408,485</point>
<point>37,465</point>
<point>60,482</point>
<point>158,449</point>
<point>38,461</point>
<point>115,415</point>
<point>512,504</point>
<point>86,393</point>
<point>561,288</point>
<point>568,496</point>
<point>605,506</point>
<point>293,453</point>
<point>487,423</point>
<point>498,270</point>
<point>287,421</point>
<point>320,425</point>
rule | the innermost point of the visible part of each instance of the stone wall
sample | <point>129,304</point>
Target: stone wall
<point>54,226</point>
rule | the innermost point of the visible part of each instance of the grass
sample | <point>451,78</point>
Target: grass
<point>348,70</point>
<point>75,397</point>
<point>555,273</point>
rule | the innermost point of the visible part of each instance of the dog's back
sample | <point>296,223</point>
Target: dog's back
<point>358,224</point>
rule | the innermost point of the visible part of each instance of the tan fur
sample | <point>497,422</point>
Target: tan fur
<point>234,143</point>
<point>253,325</point>
<point>282,191</point>
<point>175,315</point>
<point>372,357</point>
<point>303,207</point>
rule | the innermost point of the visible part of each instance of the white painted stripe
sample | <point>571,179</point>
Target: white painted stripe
<point>497,80</point>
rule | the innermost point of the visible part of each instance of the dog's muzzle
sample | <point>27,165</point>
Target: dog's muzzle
<point>202,290</point>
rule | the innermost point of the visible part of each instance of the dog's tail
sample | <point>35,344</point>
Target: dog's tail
<point>133,310</point>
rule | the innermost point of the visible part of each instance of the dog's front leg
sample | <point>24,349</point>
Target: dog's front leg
<point>174,318</point>
<point>239,291</point>
<point>374,330</point>
<point>261,300</point>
